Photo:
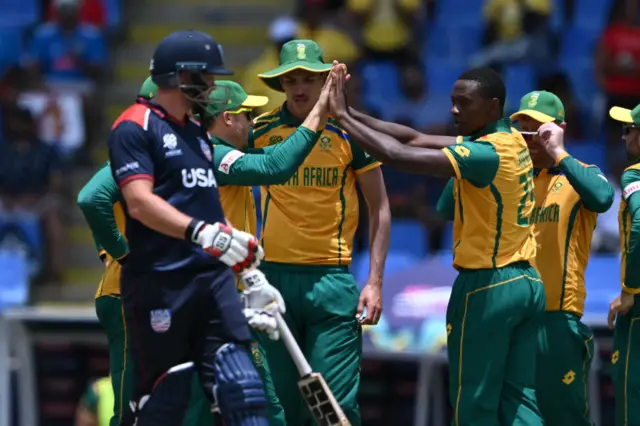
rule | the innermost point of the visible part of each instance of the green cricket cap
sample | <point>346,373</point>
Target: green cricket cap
<point>230,96</point>
<point>629,116</point>
<point>542,106</point>
<point>296,55</point>
<point>148,89</point>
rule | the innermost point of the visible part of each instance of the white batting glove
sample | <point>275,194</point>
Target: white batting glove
<point>259,293</point>
<point>263,320</point>
<point>236,249</point>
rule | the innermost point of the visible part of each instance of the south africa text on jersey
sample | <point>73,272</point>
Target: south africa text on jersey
<point>316,177</point>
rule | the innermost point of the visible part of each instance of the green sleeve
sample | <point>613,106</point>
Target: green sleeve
<point>631,193</point>
<point>89,399</point>
<point>477,162</point>
<point>96,200</point>
<point>261,167</point>
<point>595,191</point>
<point>446,203</point>
<point>361,159</point>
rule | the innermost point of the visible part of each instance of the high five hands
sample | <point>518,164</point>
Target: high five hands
<point>338,78</point>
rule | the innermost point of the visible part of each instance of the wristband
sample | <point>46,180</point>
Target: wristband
<point>193,229</point>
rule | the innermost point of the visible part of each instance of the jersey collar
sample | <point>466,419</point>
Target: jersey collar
<point>161,112</point>
<point>217,141</point>
<point>502,125</point>
<point>287,118</point>
<point>554,171</point>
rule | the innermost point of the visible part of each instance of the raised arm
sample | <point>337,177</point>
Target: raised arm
<point>404,134</point>
<point>96,201</point>
<point>631,194</point>
<point>595,191</point>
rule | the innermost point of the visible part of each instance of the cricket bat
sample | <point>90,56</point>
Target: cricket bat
<point>319,398</point>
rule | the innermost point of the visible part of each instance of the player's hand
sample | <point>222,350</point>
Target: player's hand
<point>552,139</point>
<point>323,101</point>
<point>371,300</point>
<point>259,293</point>
<point>620,305</point>
<point>236,249</point>
<point>337,98</point>
<point>263,320</point>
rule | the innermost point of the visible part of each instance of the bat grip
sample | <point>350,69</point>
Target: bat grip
<point>292,346</point>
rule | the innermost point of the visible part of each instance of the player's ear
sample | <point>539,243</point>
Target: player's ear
<point>563,126</point>
<point>226,117</point>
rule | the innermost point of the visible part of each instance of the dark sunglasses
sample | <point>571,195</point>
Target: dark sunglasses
<point>627,128</point>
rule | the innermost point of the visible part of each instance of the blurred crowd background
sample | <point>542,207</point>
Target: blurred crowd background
<point>69,67</point>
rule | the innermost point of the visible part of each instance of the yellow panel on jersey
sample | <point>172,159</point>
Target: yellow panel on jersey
<point>563,228</point>
<point>239,207</point>
<point>494,198</point>
<point>110,283</point>
<point>313,217</point>
<point>630,184</point>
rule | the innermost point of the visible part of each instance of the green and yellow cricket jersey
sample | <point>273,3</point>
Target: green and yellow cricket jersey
<point>568,198</point>
<point>492,198</point>
<point>237,171</point>
<point>629,225</point>
<point>312,218</point>
<point>101,204</point>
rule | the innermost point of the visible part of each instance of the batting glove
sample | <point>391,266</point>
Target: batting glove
<point>236,249</point>
<point>263,320</point>
<point>258,292</point>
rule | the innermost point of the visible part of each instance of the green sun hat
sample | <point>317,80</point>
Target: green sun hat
<point>296,55</point>
<point>230,96</point>
<point>624,115</point>
<point>148,89</point>
<point>542,106</point>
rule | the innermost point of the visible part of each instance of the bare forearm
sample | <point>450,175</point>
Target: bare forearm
<point>155,213</point>
<point>379,231</point>
<point>317,118</point>
<point>402,133</point>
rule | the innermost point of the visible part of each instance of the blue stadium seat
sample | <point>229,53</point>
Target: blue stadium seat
<point>558,16</point>
<point>591,14</point>
<point>19,12</point>
<point>442,75</point>
<point>456,43</point>
<point>409,236</point>
<point>453,13</point>
<point>14,279</point>
<point>397,261</point>
<point>447,236</point>
<point>589,152</point>
<point>378,75</point>
<point>114,11</point>
<point>24,231</point>
<point>578,43</point>
<point>11,43</point>
<point>582,77</point>
<point>519,79</point>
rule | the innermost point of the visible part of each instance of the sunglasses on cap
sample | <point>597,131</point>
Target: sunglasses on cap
<point>248,112</point>
<point>626,129</point>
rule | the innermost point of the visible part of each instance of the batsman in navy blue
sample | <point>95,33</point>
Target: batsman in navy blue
<point>178,288</point>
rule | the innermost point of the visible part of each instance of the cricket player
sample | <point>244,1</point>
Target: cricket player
<point>308,227</point>
<point>178,290</point>
<point>623,310</point>
<point>497,300</point>
<point>101,204</point>
<point>568,197</point>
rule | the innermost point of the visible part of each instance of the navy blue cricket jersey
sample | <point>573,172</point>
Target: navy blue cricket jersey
<point>146,143</point>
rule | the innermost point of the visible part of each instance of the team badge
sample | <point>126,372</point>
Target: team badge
<point>275,139</point>
<point>325,143</point>
<point>160,320</point>
<point>169,141</point>
<point>556,187</point>
<point>301,48</point>
<point>206,149</point>
<point>255,351</point>
<point>533,100</point>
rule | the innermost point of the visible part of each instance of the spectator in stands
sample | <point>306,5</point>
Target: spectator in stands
<point>559,84</point>
<point>92,12</point>
<point>67,52</point>
<point>281,30</point>
<point>516,31</point>
<point>617,61</point>
<point>418,109</point>
<point>386,27</point>
<point>317,24</point>
<point>31,183</point>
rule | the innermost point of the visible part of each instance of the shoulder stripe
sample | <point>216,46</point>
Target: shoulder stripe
<point>633,167</point>
<point>137,113</point>
<point>338,131</point>
<point>267,127</point>
<point>267,116</point>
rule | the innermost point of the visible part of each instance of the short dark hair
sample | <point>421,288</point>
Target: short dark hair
<point>490,83</point>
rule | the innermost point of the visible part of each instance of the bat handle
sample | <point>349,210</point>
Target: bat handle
<point>292,346</point>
